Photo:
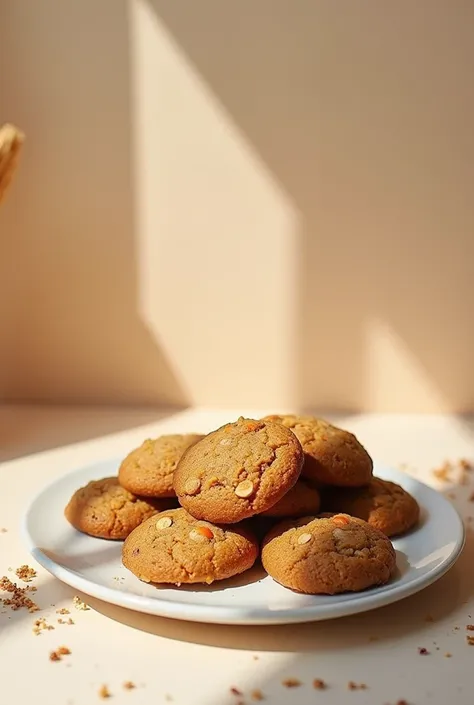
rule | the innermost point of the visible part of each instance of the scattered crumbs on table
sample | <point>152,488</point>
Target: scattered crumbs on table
<point>470,640</point>
<point>456,629</point>
<point>257,695</point>
<point>25,573</point>
<point>65,621</point>
<point>18,598</point>
<point>80,604</point>
<point>319,684</point>
<point>41,625</point>
<point>129,685</point>
<point>470,627</point>
<point>291,683</point>
<point>422,651</point>
<point>443,472</point>
<point>356,686</point>
<point>235,691</point>
<point>59,653</point>
<point>104,692</point>
<point>63,610</point>
<point>447,654</point>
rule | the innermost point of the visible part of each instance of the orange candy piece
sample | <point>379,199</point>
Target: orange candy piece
<point>340,519</point>
<point>205,531</point>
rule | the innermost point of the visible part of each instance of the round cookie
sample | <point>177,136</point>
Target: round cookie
<point>148,470</point>
<point>173,547</point>
<point>333,456</point>
<point>301,500</point>
<point>106,510</point>
<point>328,555</point>
<point>383,504</point>
<point>239,470</point>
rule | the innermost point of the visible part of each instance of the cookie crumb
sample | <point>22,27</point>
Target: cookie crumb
<point>18,598</point>
<point>257,695</point>
<point>104,692</point>
<point>319,684</point>
<point>422,651</point>
<point>54,656</point>
<point>63,610</point>
<point>25,573</point>
<point>41,625</point>
<point>356,686</point>
<point>235,691</point>
<point>443,473</point>
<point>64,651</point>
<point>129,685</point>
<point>447,654</point>
<point>3,531</point>
<point>465,464</point>
<point>255,658</point>
<point>470,640</point>
<point>291,683</point>
<point>80,604</point>
<point>470,627</point>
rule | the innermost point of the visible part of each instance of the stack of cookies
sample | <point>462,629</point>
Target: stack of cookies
<point>295,491</point>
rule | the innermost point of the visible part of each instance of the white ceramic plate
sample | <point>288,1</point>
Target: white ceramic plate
<point>94,566</point>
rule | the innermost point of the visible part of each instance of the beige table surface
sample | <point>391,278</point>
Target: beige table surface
<point>197,664</point>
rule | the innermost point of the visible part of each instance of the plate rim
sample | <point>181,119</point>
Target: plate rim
<point>224,614</point>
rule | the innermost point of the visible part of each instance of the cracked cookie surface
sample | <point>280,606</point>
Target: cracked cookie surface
<point>333,456</point>
<point>301,500</point>
<point>173,547</point>
<point>237,471</point>
<point>106,510</point>
<point>383,504</point>
<point>328,555</point>
<point>148,470</point>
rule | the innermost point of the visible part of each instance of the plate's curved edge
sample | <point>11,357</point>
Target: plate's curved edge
<point>217,614</point>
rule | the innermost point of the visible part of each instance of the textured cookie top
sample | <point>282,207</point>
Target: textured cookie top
<point>383,504</point>
<point>105,509</point>
<point>148,470</point>
<point>173,547</point>
<point>239,470</point>
<point>301,500</point>
<point>333,456</point>
<point>328,555</point>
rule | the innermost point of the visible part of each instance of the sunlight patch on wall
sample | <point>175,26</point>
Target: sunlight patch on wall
<point>395,379</point>
<point>217,237</point>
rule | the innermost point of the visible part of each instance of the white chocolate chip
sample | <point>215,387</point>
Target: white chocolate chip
<point>192,485</point>
<point>244,488</point>
<point>164,523</point>
<point>339,533</point>
<point>196,536</point>
<point>304,538</point>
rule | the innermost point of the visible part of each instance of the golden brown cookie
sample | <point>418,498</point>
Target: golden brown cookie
<point>148,470</point>
<point>328,555</point>
<point>383,504</point>
<point>239,470</point>
<point>333,456</point>
<point>106,510</point>
<point>173,547</point>
<point>301,500</point>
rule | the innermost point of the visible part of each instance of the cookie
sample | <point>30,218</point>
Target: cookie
<point>328,555</point>
<point>301,500</point>
<point>333,456</point>
<point>106,510</point>
<point>148,470</point>
<point>173,547</point>
<point>239,470</point>
<point>383,504</point>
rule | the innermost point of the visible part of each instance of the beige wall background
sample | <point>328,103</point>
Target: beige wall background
<point>239,203</point>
